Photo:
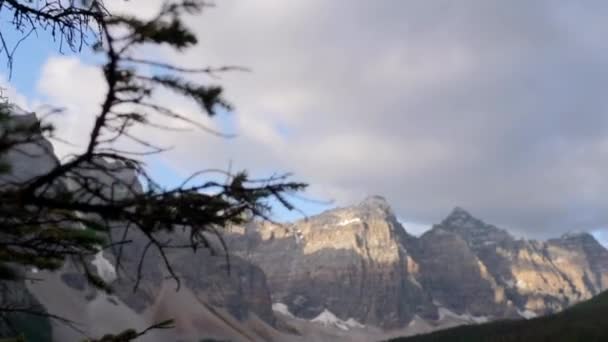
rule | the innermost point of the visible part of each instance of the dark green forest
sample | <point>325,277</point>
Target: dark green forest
<point>584,322</point>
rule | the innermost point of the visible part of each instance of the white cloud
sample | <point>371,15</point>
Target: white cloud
<point>76,88</point>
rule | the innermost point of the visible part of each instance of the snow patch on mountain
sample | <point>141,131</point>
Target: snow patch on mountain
<point>105,269</point>
<point>282,309</point>
<point>415,321</point>
<point>346,222</point>
<point>527,314</point>
<point>327,318</point>
<point>479,319</point>
<point>444,312</point>
<point>351,322</point>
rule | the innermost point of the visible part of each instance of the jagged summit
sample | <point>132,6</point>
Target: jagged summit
<point>374,204</point>
<point>374,201</point>
<point>580,238</point>
<point>476,232</point>
<point>576,235</point>
<point>461,217</point>
<point>459,211</point>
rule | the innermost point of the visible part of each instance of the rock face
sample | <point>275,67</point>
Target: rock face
<point>32,154</point>
<point>352,262</point>
<point>231,284</point>
<point>535,276</point>
<point>455,277</point>
<point>239,290</point>
<point>359,263</point>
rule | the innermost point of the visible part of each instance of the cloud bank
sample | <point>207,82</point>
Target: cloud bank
<point>495,106</point>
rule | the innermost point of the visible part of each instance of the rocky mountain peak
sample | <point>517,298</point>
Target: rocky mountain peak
<point>577,235</point>
<point>473,230</point>
<point>460,217</point>
<point>375,202</point>
<point>581,239</point>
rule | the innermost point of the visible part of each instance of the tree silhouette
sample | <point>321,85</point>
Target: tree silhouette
<point>69,211</point>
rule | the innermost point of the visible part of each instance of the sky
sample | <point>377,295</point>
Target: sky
<point>498,107</point>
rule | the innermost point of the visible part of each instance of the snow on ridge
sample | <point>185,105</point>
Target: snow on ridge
<point>346,222</point>
<point>105,269</point>
<point>351,322</point>
<point>479,319</point>
<point>444,312</point>
<point>282,309</point>
<point>527,314</point>
<point>328,318</point>
<point>413,321</point>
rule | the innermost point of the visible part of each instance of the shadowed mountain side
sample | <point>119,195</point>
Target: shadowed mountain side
<point>239,289</point>
<point>211,301</point>
<point>455,278</point>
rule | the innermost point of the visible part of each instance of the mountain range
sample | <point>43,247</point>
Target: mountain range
<point>351,274</point>
<point>359,264</point>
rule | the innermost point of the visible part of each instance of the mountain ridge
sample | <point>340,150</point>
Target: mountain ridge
<point>462,265</point>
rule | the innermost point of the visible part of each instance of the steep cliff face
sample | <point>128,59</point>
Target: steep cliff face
<point>538,277</point>
<point>240,289</point>
<point>232,284</point>
<point>455,277</point>
<point>349,261</point>
<point>592,256</point>
<point>359,263</point>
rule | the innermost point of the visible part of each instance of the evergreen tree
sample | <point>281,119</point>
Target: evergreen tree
<point>65,213</point>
